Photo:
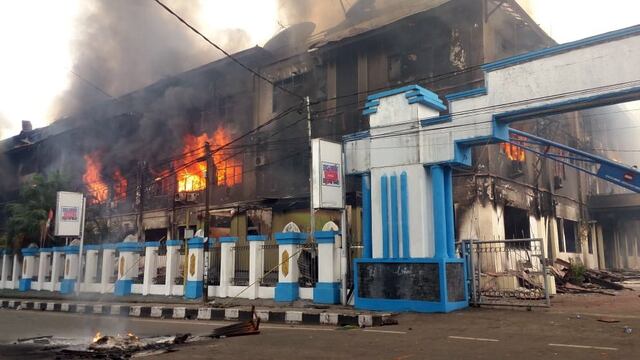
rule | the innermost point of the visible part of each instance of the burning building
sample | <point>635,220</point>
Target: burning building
<point>141,157</point>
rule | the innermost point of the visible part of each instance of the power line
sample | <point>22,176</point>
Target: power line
<point>165,7</point>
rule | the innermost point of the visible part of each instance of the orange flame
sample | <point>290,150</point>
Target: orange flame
<point>119,186</point>
<point>98,190</point>
<point>97,336</point>
<point>513,152</point>
<point>192,177</point>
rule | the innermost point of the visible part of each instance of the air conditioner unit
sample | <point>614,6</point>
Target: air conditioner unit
<point>260,160</point>
<point>192,197</point>
<point>180,197</point>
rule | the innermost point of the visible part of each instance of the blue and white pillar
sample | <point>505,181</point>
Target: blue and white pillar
<point>70,279</point>
<point>327,289</point>
<point>256,263</point>
<point>28,268</point>
<point>366,216</point>
<point>195,268</point>
<point>57,266</point>
<point>127,267</point>
<point>44,267</point>
<point>4,275</point>
<point>173,246</point>
<point>108,261</point>
<point>287,288</point>
<point>91,263</point>
<point>150,265</point>
<point>227,263</point>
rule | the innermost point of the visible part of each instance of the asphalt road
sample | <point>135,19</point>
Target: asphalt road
<point>470,334</point>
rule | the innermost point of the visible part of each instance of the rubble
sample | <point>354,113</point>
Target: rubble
<point>590,281</point>
<point>249,327</point>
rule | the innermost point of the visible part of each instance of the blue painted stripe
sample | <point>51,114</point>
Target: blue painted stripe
<point>392,92</point>
<point>384,215</point>
<point>404,204</point>
<point>356,136</point>
<point>395,229</point>
<point>449,212</point>
<point>369,111</point>
<point>533,55</point>
<point>439,218</point>
<point>366,215</point>
<point>437,105</point>
<point>466,94</point>
<point>435,120</point>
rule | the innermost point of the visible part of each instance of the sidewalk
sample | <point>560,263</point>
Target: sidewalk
<point>298,312</point>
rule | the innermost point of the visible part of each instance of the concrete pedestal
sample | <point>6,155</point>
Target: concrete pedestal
<point>91,263</point>
<point>150,265</point>
<point>195,268</point>
<point>172,265</point>
<point>227,263</point>
<point>127,267</point>
<point>57,266</point>
<point>256,263</point>
<point>44,267</point>
<point>28,268</point>
<point>108,260</point>
<point>71,272</point>
<point>287,288</point>
<point>327,289</point>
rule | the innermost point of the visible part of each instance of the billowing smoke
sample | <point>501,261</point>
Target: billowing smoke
<point>123,45</point>
<point>5,125</point>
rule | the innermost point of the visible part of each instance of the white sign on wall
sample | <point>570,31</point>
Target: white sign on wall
<point>327,178</point>
<point>68,213</point>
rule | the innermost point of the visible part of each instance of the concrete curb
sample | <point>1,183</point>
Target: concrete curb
<point>203,313</point>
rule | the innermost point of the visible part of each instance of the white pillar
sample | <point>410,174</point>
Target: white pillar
<point>172,265</point>
<point>195,268</point>
<point>227,263</point>
<point>150,265</point>
<point>91,264</point>
<point>287,289</point>
<point>28,268</point>
<point>70,279</point>
<point>327,289</point>
<point>56,266</point>
<point>43,267</point>
<point>5,268</point>
<point>15,272</point>
<point>256,263</point>
<point>127,266</point>
<point>108,258</point>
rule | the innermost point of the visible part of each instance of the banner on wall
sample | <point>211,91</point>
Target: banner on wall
<point>327,177</point>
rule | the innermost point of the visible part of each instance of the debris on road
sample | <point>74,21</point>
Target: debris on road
<point>249,327</point>
<point>573,278</point>
<point>609,320</point>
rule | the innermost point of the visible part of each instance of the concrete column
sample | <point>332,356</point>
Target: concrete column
<point>91,264</point>
<point>227,263</point>
<point>28,268</point>
<point>5,268</point>
<point>127,266</point>
<point>108,259</point>
<point>172,264</point>
<point>150,265</point>
<point>15,271</point>
<point>71,270</point>
<point>287,289</point>
<point>256,263</point>
<point>327,289</point>
<point>366,216</point>
<point>195,268</point>
<point>43,267</point>
<point>56,266</point>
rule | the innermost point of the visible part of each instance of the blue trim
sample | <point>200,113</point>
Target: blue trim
<point>435,120</point>
<point>30,251</point>
<point>369,111</point>
<point>196,243</point>
<point>228,239</point>
<point>384,215</point>
<point>533,55</point>
<point>325,237</point>
<point>449,212</point>
<point>326,293</point>
<point>24,285</point>
<point>174,242</point>
<point>466,94</point>
<point>395,228</point>
<point>366,215</point>
<point>46,250</point>
<point>356,136</point>
<point>290,238</point>
<point>404,219</point>
<point>75,249</point>
<point>123,287</point>
<point>391,92</point>
<point>130,247</point>
<point>286,292</point>
<point>257,238</point>
<point>434,104</point>
<point>109,246</point>
<point>152,244</point>
<point>67,286</point>
<point>89,247</point>
<point>414,94</point>
<point>439,209</point>
<point>194,289</point>
<point>58,249</point>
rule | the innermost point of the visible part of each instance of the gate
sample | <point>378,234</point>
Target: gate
<point>506,272</point>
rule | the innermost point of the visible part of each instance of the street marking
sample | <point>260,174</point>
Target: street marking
<point>473,338</point>
<point>585,347</point>
<point>386,331</point>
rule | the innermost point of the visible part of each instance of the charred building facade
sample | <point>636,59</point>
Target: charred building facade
<point>139,157</point>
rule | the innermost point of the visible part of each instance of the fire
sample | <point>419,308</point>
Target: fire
<point>513,152</point>
<point>97,336</point>
<point>98,190</point>
<point>192,177</point>
<point>119,186</point>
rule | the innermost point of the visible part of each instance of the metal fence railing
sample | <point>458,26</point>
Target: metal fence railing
<point>308,265</point>
<point>507,272</point>
<point>355,252</point>
<point>213,270</point>
<point>241,267</point>
<point>270,265</point>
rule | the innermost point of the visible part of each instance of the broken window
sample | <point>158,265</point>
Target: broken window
<point>394,67</point>
<point>570,235</point>
<point>516,226</point>
<point>590,240</point>
<point>561,246</point>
